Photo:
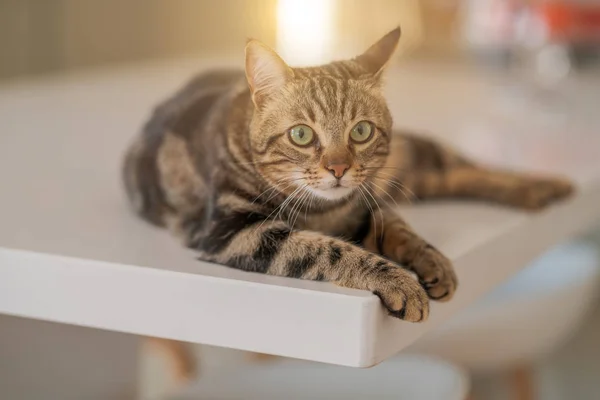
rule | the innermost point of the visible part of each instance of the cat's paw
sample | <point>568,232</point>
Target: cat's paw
<point>402,295</point>
<point>435,272</point>
<point>536,193</point>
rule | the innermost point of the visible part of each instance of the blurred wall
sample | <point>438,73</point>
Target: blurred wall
<point>41,36</point>
<point>50,35</point>
<point>44,360</point>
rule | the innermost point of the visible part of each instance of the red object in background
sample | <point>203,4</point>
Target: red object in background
<point>571,22</point>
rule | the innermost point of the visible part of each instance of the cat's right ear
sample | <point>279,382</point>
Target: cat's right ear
<point>266,72</point>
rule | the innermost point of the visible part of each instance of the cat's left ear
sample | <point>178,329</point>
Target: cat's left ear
<point>266,72</point>
<point>378,55</point>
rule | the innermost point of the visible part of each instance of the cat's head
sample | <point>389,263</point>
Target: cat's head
<point>321,130</point>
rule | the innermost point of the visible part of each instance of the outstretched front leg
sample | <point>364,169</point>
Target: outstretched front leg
<point>241,236</point>
<point>431,171</point>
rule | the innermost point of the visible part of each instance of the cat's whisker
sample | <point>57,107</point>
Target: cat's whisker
<point>303,204</point>
<point>387,181</point>
<point>287,201</point>
<point>360,188</point>
<point>280,190</point>
<point>274,187</point>
<point>389,176</point>
<point>378,171</point>
<point>279,208</point>
<point>302,199</point>
<point>385,173</point>
<point>409,200</point>
<point>380,211</point>
<point>296,203</point>
<point>296,208</point>
<point>263,193</point>
<point>396,184</point>
<point>309,207</point>
<point>384,191</point>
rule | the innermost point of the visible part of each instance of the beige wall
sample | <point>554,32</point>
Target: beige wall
<point>44,360</point>
<point>29,37</point>
<point>116,30</point>
<point>38,36</point>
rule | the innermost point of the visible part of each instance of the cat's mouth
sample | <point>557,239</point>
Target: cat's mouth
<point>337,190</point>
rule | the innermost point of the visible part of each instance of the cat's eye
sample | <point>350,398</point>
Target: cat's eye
<point>302,135</point>
<point>361,132</point>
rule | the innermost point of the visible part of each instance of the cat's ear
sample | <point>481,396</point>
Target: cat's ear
<point>266,72</point>
<point>379,54</point>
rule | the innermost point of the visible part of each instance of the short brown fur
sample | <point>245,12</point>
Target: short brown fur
<point>218,165</point>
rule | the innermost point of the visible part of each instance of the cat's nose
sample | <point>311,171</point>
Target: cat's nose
<point>338,170</point>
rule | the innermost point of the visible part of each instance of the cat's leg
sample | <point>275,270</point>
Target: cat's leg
<point>424,169</point>
<point>242,237</point>
<point>501,187</point>
<point>393,238</point>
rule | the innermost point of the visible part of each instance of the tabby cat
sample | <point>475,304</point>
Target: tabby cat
<point>286,171</point>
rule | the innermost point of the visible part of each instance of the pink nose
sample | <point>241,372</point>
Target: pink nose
<point>338,170</point>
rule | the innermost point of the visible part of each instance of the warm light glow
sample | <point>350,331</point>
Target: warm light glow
<point>305,31</point>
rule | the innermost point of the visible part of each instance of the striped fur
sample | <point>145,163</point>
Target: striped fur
<point>216,165</point>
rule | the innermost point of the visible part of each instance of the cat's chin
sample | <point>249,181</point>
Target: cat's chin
<point>332,194</point>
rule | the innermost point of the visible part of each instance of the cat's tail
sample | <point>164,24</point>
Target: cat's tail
<point>140,178</point>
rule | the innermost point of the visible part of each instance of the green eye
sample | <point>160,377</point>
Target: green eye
<point>302,135</point>
<point>361,132</point>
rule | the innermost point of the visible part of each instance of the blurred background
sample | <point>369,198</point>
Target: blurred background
<point>532,51</point>
<point>41,37</point>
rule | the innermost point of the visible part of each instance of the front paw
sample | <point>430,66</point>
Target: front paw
<point>401,294</point>
<point>435,271</point>
<point>535,193</point>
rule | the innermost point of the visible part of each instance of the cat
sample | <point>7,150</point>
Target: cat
<point>278,171</point>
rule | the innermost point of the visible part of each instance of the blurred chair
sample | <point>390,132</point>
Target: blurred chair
<point>404,378</point>
<point>524,319</point>
<point>165,365</point>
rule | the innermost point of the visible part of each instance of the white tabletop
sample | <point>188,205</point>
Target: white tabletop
<point>72,252</point>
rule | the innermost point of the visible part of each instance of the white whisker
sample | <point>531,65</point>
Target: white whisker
<point>299,209</point>
<point>279,207</point>
<point>391,180</point>
<point>384,191</point>
<point>309,206</point>
<point>370,208</point>
<point>380,213</point>
<point>279,190</point>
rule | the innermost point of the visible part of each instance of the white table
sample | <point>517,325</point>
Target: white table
<point>72,252</point>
